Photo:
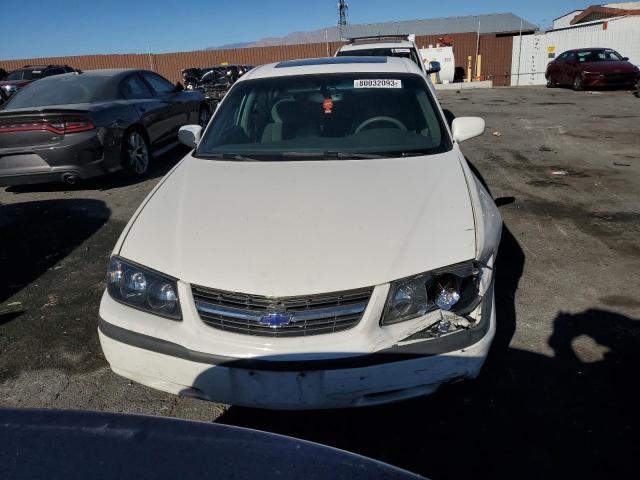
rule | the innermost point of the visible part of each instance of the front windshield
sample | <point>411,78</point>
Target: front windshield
<point>599,56</point>
<point>327,116</point>
<point>25,75</point>
<point>401,52</point>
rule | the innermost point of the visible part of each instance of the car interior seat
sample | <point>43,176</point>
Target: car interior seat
<point>291,119</point>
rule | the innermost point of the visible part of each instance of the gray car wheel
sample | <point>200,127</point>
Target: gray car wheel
<point>551,83</point>
<point>135,153</point>
<point>577,83</point>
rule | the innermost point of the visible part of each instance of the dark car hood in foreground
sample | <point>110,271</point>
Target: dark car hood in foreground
<point>39,444</point>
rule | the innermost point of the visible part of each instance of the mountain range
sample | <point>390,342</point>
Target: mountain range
<point>331,34</point>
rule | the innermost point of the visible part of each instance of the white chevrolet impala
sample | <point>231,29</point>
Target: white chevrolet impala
<point>324,245</point>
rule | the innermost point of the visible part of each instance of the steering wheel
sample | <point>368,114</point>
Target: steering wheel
<point>381,118</point>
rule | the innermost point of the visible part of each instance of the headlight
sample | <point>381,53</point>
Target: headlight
<point>189,86</point>
<point>9,89</point>
<point>454,289</point>
<point>143,289</point>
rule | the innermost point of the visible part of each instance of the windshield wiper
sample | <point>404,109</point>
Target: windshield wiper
<point>228,156</point>
<point>328,155</point>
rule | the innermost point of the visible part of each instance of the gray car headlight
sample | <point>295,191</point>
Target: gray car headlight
<point>454,289</point>
<point>144,289</point>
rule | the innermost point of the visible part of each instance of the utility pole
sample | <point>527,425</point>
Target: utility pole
<point>343,8</point>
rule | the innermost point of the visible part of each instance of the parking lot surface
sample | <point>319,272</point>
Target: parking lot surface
<point>556,395</point>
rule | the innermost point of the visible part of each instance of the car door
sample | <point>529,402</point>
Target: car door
<point>176,107</point>
<point>554,68</point>
<point>570,69</point>
<point>151,110</point>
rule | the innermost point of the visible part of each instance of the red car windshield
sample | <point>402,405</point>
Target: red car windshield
<point>599,56</point>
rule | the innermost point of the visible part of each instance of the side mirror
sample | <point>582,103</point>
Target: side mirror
<point>464,128</point>
<point>434,67</point>
<point>626,59</point>
<point>179,87</point>
<point>190,135</point>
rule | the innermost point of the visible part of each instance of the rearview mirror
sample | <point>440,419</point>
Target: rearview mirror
<point>464,128</point>
<point>434,67</point>
<point>189,135</point>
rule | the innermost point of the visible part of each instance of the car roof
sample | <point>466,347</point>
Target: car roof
<point>596,49</point>
<point>110,72</point>
<point>113,74</point>
<point>329,65</point>
<point>377,44</point>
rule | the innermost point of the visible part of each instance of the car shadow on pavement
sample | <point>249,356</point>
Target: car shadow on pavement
<point>51,280</point>
<point>527,416</point>
<point>35,236</point>
<point>160,166</point>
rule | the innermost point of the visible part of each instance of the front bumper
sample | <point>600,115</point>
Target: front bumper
<point>610,80</point>
<point>82,155</point>
<point>295,381</point>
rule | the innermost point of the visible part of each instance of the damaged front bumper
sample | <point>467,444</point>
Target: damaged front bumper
<point>411,368</point>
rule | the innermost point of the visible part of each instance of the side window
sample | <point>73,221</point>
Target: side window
<point>133,87</point>
<point>54,71</point>
<point>159,84</point>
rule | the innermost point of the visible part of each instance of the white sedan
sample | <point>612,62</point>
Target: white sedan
<point>324,245</point>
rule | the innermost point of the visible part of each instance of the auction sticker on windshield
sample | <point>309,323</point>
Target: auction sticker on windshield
<point>381,83</point>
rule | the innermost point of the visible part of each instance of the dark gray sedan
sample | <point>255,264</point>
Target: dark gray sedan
<point>85,124</point>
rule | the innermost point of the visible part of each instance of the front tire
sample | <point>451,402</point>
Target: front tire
<point>136,155</point>
<point>551,83</point>
<point>578,86</point>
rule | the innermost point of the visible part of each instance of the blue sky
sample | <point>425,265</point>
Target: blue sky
<point>32,28</point>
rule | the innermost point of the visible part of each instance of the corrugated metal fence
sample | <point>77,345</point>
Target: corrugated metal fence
<point>170,65</point>
<point>495,51</point>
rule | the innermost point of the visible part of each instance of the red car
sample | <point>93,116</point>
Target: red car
<point>591,67</point>
<point>14,81</point>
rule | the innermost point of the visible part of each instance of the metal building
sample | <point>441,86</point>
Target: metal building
<point>501,23</point>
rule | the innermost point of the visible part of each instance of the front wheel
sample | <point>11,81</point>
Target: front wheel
<point>135,153</point>
<point>551,83</point>
<point>577,83</point>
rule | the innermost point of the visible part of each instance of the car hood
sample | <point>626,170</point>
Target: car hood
<point>608,67</point>
<point>305,227</point>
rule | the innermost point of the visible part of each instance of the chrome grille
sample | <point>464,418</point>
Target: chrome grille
<point>281,317</point>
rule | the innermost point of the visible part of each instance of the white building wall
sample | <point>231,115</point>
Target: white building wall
<point>532,62</point>
<point>565,20</point>
<point>625,23</point>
